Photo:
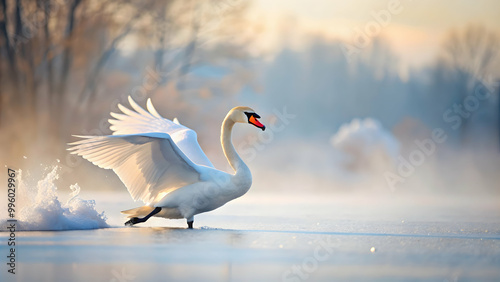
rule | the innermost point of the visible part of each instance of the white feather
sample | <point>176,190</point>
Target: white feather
<point>153,155</point>
<point>141,121</point>
<point>161,163</point>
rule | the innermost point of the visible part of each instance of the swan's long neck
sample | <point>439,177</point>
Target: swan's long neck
<point>227,146</point>
<point>242,178</point>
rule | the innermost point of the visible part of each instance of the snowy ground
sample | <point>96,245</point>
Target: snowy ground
<point>263,237</point>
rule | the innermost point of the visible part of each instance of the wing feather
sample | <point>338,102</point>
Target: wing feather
<point>152,109</point>
<point>138,108</point>
<point>139,120</point>
<point>131,114</point>
<point>146,163</point>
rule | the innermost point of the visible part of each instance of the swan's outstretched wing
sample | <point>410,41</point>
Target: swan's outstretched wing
<point>142,121</point>
<point>146,163</point>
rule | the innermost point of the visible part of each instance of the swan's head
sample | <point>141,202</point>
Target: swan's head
<point>246,115</point>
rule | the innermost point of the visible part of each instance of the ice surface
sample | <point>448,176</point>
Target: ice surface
<point>259,237</point>
<point>278,237</point>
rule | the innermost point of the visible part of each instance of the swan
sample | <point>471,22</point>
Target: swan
<point>161,163</point>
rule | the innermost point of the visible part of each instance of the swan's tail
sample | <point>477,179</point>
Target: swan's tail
<point>138,212</point>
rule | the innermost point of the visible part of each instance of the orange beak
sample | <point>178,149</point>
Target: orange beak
<point>257,123</point>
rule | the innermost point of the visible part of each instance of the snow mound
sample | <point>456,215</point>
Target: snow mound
<point>364,145</point>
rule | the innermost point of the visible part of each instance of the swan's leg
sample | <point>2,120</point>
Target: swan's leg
<point>135,220</point>
<point>190,222</point>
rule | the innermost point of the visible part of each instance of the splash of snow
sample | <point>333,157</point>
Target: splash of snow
<point>41,209</point>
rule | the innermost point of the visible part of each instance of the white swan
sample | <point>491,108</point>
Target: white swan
<point>161,163</point>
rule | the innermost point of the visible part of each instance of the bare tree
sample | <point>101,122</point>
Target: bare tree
<point>66,60</point>
<point>54,54</point>
<point>473,55</point>
<point>473,50</point>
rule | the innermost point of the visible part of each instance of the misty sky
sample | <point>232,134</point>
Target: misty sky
<point>415,33</point>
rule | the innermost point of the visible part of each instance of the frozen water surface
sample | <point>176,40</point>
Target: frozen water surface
<point>270,237</point>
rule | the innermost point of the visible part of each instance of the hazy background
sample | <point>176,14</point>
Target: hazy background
<point>401,68</point>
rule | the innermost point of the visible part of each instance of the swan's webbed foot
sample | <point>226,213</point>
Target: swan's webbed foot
<point>133,220</point>
<point>190,224</point>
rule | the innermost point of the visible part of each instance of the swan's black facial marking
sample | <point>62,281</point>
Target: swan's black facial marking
<point>252,119</point>
<point>251,114</point>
